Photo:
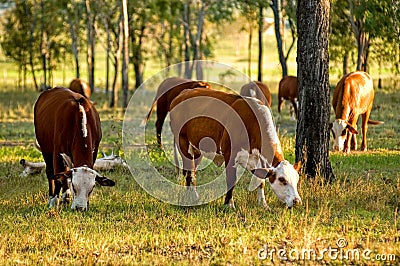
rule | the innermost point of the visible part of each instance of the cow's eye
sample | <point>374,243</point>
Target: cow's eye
<point>283,180</point>
<point>344,132</point>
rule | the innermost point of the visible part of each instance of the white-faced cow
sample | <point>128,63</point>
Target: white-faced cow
<point>352,97</point>
<point>242,131</point>
<point>67,123</point>
<point>257,90</point>
<point>167,91</point>
<point>80,86</point>
<point>288,90</point>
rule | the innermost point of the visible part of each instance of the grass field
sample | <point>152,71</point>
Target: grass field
<point>353,220</point>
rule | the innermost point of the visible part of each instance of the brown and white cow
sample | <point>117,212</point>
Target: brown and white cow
<point>257,90</point>
<point>167,91</point>
<point>288,90</point>
<point>67,123</point>
<point>352,97</point>
<point>80,86</point>
<point>242,131</point>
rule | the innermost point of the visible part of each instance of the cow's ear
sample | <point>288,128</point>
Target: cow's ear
<point>67,160</point>
<point>264,173</point>
<point>297,166</point>
<point>104,181</point>
<point>351,128</point>
<point>63,175</point>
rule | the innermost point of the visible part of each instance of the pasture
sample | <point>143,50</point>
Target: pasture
<point>354,219</point>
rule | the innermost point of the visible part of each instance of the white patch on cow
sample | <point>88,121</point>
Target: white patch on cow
<point>286,191</point>
<point>84,121</point>
<point>82,184</point>
<point>338,128</point>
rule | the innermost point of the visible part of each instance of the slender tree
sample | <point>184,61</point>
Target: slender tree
<point>312,137</point>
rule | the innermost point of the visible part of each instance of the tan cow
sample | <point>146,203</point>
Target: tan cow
<point>167,91</point>
<point>352,97</point>
<point>242,131</point>
<point>288,90</point>
<point>257,90</point>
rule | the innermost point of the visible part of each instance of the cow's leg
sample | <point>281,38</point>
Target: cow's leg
<point>261,196</point>
<point>230,182</point>
<point>296,111</point>
<point>162,110</point>
<point>48,158</point>
<point>280,103</point>
<point>346,146</point>
<point>354,136</point>
<point>364,126</point>
<point>189,168</point>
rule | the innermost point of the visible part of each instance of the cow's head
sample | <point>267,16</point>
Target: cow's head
<point>81,182</point>
<point>283,180</point>
<point>339,129</point>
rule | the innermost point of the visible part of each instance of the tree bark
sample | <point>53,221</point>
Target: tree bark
<point>74,38</point>
<point>312,136</point>
<point>91,43</point>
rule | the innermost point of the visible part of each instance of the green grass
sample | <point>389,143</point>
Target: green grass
<point>127,226</point>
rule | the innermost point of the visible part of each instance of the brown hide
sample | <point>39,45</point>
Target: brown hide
<point>80,86</point>
<point>58,128</point>
<point>167,91</point>
<point>258,90</point>
<point>194,116</point>
<point>288,90</point>
<point>353,96</point>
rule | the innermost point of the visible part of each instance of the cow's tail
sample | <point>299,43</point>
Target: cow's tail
<point>373,122</point>
<point>144,121</point>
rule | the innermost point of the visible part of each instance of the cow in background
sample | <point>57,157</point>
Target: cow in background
<point>257,90</point>
<point>80,86</point>
<point>68,130</point>
<point>288,90</point>
<point>352,97</point>
<point>167,91</point>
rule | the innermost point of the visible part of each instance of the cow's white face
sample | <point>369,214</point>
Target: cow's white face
<point>339,131</point>
<point>283,180</point>
<point>83,180</point>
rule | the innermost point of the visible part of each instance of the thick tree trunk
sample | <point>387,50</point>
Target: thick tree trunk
<point>312,136</point>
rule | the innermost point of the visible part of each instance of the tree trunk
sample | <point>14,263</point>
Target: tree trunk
<point>282,59</point>
<point>91,44</point>
<point>125,60</point>
<point>117,57</point>
<point>31,42</point>
<point>74,39</point>
<point>312,136</point>
<point>260,42</point>
<point>186,35</point>
<point>249,50</point>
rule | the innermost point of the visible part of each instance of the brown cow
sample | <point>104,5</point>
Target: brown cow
<point>167,91</point>
<point>80,86</point>
<point>353,96</point>
<point>242,131</point>
<point>67,123</point>
<point>288,90</point>
<point>257,90</point>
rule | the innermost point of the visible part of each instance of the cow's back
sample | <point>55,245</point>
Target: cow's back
<point>354,94</point>
<point>60,128</point>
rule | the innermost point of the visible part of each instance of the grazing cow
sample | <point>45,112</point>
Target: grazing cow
<point>353,96</point>
<point>257,90</point>
<point>288,90</point>
<point>67,123</point>
<point>80,86</point>
<point>242,131</point>
<point>167,91</point>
